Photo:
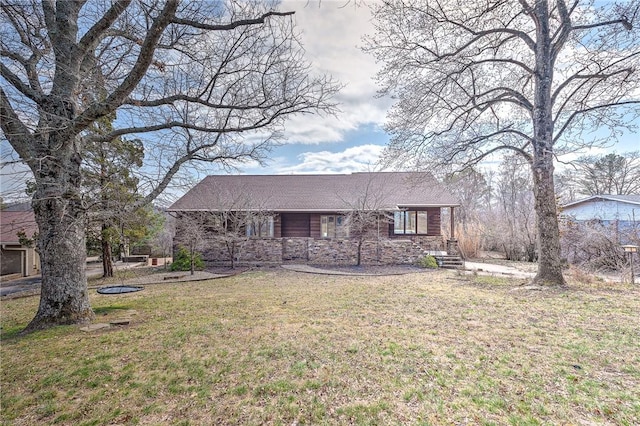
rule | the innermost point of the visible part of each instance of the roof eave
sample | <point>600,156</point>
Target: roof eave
<point>599,197</point>
<point>319,210</point>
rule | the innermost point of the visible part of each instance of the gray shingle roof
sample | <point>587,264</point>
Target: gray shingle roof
<point>337,192</point>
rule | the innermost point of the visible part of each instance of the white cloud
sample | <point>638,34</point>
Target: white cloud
<point>331,35</point>
<point>355,159</point>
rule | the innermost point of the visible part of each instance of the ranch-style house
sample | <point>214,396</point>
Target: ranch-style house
<point>358,218</point>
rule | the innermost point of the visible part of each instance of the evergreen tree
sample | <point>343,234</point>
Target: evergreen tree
<point>110,188</point>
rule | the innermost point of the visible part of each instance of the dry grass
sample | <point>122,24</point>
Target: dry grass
<point>281,347</point>
<point>470,239</point>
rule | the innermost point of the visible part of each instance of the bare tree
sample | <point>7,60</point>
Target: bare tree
<point>233,227</point>
<point>475,78</point>
<point>614,174</point>
<point>195,81</point>
<point>162,242</point>
<point>191,235</point>
<point>367,217</point>
<point>514,226</point>
<point>233,219</point>
<point>473,188</point>
<point>237,219</point>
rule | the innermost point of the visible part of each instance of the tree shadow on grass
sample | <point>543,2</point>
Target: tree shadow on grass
<point>105,310</point>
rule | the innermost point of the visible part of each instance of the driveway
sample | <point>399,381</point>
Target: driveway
<point>31,285</point>
<point>494,269</point>
<point>20,285</point>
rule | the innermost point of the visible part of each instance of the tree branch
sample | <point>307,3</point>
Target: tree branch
<point>576,114</point>
<point>169,100</point>
<point>94,35</point>
<point>145,58</point>
<point>19,85</point>
<point>229,26</point>
<point>564,30</point>
<point>14,130</point>
<point>485,154</point>
<point>626,24</point>
<point>49,19</point>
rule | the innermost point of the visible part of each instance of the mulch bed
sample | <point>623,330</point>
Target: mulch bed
<point>373,269</point>
<point>363,269</point>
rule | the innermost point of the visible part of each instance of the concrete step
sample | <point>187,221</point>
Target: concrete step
<point>450,261</point>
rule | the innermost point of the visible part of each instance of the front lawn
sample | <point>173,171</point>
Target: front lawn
<point>280,347</point>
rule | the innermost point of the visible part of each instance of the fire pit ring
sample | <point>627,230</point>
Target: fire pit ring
<point>119,289</point>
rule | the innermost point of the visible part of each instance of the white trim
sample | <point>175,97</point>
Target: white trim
<point>601,197</point>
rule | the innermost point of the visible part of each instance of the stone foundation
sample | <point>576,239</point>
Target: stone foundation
<point>295,249</point>
<point>248,252</point>
<point>333,252</point>
<point>452,247</point>
<point>391,252</point>
<point>324,251</point>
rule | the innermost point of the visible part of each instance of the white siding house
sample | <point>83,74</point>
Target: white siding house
<point>624,209</point>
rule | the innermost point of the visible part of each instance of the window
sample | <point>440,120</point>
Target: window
<point>410,222</point>
<point>333,226</point>
<point>260,227</point>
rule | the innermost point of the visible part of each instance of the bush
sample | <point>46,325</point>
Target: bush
<point>428,262</point>
<point>182,260</point>
<point>595,245</point>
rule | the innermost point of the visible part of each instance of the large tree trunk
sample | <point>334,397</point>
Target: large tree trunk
<point>549,259</point>
<point>549,262</point>
<point>61,243</point>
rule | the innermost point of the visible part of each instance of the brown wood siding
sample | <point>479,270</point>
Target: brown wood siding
<point>314,225</point>
<point>277,226</point>
<point>434,228</point>
<point>295,225</point>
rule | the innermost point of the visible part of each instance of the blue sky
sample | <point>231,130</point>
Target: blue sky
<point>352,140</point>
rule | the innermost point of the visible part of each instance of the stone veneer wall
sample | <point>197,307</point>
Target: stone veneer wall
<point>259,250</point>
<point>325,251</point>
<point>333,252</point>
<point>295,249</point>
<point>431,243</point>
<point>248,251</point>
<point>390,252</point>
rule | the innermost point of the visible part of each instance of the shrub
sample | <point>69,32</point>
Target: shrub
<point>470,239</point>
<point>182,260</point>
<point>595,245</point>
<point>428,262</point>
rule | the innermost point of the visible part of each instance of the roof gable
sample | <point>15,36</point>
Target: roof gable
<point>330,192</point>
<point>627,199</point>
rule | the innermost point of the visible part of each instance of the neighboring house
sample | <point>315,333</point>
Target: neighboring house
<point>18,256</point>
<point>616,215</point>
<point>318,218</point>
<point>622,209</point>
